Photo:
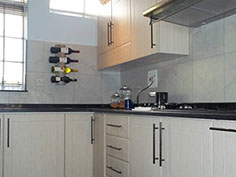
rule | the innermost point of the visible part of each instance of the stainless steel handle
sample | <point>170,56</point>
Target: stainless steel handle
<point>152,41</point>
<point>222,129</point>
<point>108,34</point>
<point>112,147</point>
<point>160,132</point>
<point>111,24</point>
<point>112,125</point>
<point>154,158</point>
<point>117,171</point>
<point>8,133</point>
<point>92,129</point>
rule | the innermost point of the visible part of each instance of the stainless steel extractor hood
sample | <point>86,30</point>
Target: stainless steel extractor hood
<point>192,13</point>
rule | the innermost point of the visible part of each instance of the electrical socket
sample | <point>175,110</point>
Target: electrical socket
<point>39,82</point>
<point>153,76</point>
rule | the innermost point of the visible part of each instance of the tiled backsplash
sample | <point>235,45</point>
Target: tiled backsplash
<point>92,86</point>
<point>207,75</point>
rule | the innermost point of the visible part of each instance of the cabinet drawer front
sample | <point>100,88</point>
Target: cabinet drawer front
<point>117,147</point>
<point>117,168</point>
<point>117,125</point>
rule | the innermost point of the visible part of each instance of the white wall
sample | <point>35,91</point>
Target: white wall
<point>44,26</point>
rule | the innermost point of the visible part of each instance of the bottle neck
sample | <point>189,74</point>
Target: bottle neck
<point>75,51</point>
<point>73,80</point>
<point>74,70</point>
<point>76,61</point>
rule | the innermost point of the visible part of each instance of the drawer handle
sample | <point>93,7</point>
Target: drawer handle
<point>117,171</point>
<point>223,129</point>
<point>112,147</point>
<point>112,125</point>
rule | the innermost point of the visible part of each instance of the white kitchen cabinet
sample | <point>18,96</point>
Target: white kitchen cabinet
<point>1,145</point>
<point>170,40</point>
<point>121,17</point>
<point>114,36</point>
<point>142,150</point>
<point>186,148</point>
<point>183,146</point>
<point>79,145</point>
<point>104,20</point>
<point>141,29</point>
<point>224,145</point>
<point>130,36</point>
<point>33,145</point>
<point>99,160</point>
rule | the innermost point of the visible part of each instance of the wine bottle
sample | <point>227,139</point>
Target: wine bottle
<point>67,70</point>
<point>56,79</point>
<point>65,60</point>
<point>64,50</point>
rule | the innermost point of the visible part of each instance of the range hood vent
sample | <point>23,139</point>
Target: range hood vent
<point>191,13</point>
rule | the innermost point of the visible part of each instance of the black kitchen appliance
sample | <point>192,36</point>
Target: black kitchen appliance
<point>161,98</point>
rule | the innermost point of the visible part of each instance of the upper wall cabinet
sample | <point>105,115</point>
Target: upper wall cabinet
<point>128,35</point>
<point>104,21</point>
<point>114,34</point>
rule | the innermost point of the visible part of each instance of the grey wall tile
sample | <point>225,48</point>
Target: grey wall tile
<point>88,89</point>
<point>230,77</point>
<point>34,56</point>
<point>208,40</point>
<point>208,79</point>
<point>230,34</point>
<point>4,97</point>
<point>177,81</point>
<point>110,83</point>
<point>56,94</point>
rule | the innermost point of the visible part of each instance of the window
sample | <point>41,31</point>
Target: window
<point>82,8</point>
<point>12,44</point>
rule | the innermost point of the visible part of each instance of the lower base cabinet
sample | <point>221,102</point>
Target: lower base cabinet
<point>79,145</point>
<point>170,147</point>
<point>33,145</point>
<point>186,147</point>
<point>99,161</point>
<point>144,147</point>
<point>224,148</point>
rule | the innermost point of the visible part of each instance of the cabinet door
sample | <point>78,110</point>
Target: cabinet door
<point>34,145</point>
<point>79,148</point>
<point>141,147</point>
<point>224,145</point>
<point>141,29</point>
<point>103,32</point>
<point>186,148</point>
<point>1,145</point>
<point>99,145</point>
<point>121,16</point>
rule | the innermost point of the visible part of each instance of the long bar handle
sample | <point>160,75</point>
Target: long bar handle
<point>152,40</point>
<point>92,129</point>
<point>222,129</point>
<point>111,24</point>
<point>154,158</point>
<point>108,34</point>
<point>112,147</point>
<point>8,133</point>
<point>112,125</point>
<point>117,171</point>
<point>160,141</point>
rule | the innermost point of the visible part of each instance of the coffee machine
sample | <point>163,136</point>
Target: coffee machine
<point>161,99</point>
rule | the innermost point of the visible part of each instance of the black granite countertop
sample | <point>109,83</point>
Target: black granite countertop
<point>203,114</point>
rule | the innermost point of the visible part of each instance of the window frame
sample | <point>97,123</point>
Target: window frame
<point>72,13</point>
<point>15,87</point>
